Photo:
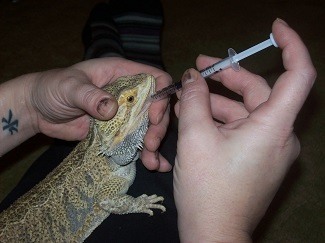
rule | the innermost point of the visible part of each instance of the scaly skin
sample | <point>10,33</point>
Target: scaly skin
<point>93,180</point>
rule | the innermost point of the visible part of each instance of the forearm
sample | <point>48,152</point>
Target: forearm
<point>18,120</point>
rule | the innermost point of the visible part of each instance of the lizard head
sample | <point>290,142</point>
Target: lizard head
<point>122,136</point>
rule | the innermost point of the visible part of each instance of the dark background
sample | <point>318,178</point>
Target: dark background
<point>38,35</point>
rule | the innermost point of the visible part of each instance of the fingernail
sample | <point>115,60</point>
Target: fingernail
<point>189,76</point>
<point>104,107</point>
<point>282,21</point>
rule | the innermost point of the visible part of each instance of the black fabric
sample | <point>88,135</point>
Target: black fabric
<point>161,227</point>
<point>151,7</point>
<point>139,24</point>
<point>100,35</point>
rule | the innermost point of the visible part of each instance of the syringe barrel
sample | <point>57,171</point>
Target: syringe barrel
<point>234,58</point>
<point>217,67</point>
<point>256,48</point>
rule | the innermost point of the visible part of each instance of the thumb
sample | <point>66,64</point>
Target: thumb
<point>96,102</point>
<point>194,104</point>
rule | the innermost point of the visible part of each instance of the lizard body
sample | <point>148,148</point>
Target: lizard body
<point>92,181</point>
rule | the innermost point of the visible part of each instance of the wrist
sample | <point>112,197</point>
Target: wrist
<point>215,234</point>
<point>18,119</point>
<point>211,229</point>
<point>30,84</point>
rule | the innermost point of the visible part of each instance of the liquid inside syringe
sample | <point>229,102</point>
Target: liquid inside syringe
<point>231,61</point>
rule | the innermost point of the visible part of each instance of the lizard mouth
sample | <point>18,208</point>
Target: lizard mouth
<point>127,150</point>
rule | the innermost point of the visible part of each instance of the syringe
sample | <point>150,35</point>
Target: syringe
<point>231,61</point>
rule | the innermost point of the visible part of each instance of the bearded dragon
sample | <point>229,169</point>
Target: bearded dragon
<point>92,181</point>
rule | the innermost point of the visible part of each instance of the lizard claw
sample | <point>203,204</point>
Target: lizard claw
<point>146,203</point>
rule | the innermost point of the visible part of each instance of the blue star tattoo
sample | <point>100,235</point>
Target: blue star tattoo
<point>10,124</point>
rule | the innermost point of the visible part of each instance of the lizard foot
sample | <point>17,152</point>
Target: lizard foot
<point>125,204</point>
<point>145,203</point>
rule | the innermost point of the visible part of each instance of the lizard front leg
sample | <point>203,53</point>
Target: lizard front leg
<point>113,199</point>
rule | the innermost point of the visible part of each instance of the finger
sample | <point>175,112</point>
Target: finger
<point>164,165</point>
<point>156,133</point>
<point>227,110</point>
<point>155,161</point>
<point>157,110</point>
<point>223,109</point>
<point>291,89</point>
<point>150,159</point>
<point>252,87</point>
<point>194,104</point>
<point>152,140</point>
<point>94,101</point>
<point>176,109</point>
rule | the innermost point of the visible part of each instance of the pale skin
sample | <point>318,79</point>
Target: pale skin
<point>58,103</point>
<point>227,173</point>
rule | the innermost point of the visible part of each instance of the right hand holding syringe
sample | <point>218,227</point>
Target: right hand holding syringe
<point>231,61</point>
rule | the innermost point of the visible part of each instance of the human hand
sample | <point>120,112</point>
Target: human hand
<point>227,173</point>
<point>64,98</point>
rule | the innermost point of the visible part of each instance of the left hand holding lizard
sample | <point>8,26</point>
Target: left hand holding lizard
<point>58,103</point>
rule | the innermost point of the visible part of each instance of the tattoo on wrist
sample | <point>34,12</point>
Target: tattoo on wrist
<point>9,123</point>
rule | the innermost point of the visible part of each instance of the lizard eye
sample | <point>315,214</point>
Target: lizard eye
<point>130,99</point>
